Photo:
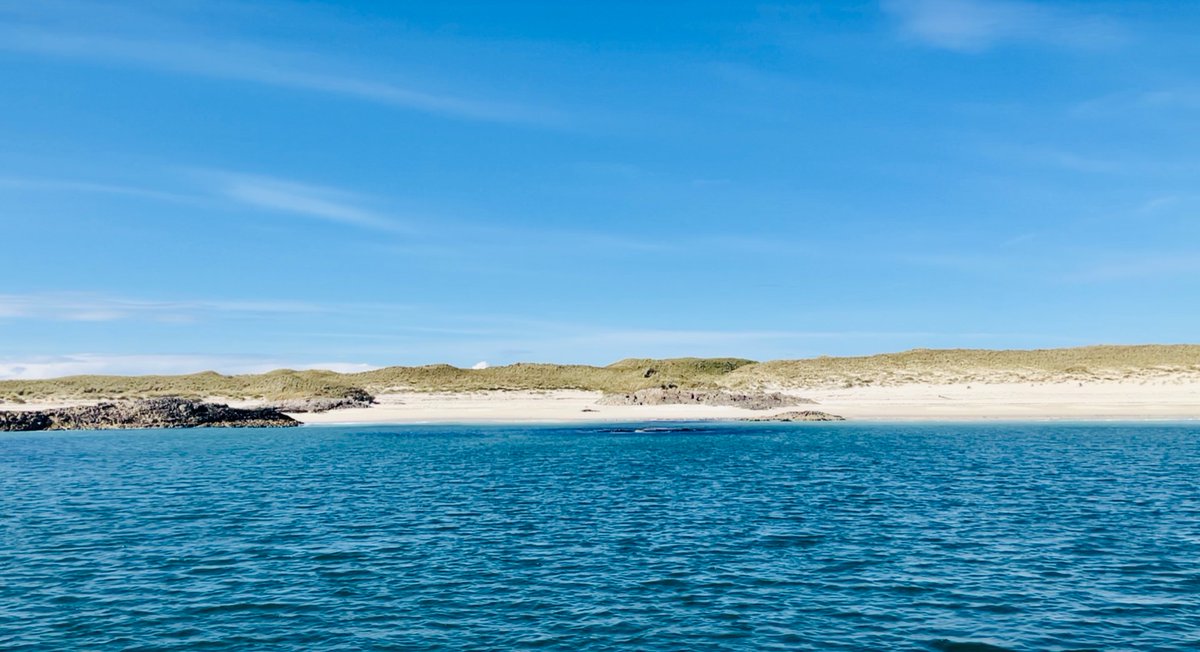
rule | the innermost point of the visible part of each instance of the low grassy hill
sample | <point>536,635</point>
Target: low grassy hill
<point>1091,363</point>
<point>1083,364</point>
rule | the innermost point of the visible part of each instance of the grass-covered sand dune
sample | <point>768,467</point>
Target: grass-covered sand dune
<point>1093,363</point>
<point>944,366</point>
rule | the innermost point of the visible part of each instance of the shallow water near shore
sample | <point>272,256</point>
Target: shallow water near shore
<point>697,536</point>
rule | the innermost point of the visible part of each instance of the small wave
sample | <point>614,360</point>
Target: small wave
<point>655,430</point>
<point>671,535</point>
<point>946,645</point>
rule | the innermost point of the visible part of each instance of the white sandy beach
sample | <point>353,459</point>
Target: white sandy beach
<point>1164,400</point>
<point>1160,399</point>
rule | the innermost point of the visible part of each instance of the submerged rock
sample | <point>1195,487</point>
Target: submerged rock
<point>800,415</point>
<point>678,396</point>
<point>145,413</point>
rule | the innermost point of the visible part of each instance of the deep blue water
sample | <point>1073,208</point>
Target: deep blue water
<point>742,537</point>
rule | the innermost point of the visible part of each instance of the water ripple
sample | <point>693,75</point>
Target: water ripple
<point>742,537</point>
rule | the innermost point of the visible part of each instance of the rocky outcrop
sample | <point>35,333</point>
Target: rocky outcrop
<point>356,398</point>
<point>22,421</point>
<point>801,415</point>
<point>147,413</point>
<point>678,396</point>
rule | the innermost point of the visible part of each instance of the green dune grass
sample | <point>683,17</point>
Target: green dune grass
<point>1091,363</point>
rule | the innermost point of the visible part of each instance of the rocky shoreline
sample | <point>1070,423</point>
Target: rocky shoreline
<point>715,397</point>
<point>801,415</point>
<point>145,413</point>
<point>355,399</point>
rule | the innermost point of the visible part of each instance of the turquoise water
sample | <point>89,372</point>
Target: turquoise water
<point>710,537</point>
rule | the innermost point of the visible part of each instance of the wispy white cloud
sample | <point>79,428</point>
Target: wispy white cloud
<point>52,32</point>
<point>973,262</point>
<point>1092,159</point>
<point>595,345</point>
<point>1158,204</point>
<point>976,25</point>
<point>309,200</point>
<point>425,237</point>
<point>261,192</point>
<point>70,185</point>
<point>1051,156</point>
<point>1019,239</point>
<point>1183,98</point>
<point>1187,98</point>
<point>89,363</point>
<point>709,337</point>
<point>1142,267</point>
<point>382,334</point>
<point>84,307</point>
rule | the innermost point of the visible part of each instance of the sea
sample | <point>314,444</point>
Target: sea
<point>657,537</point>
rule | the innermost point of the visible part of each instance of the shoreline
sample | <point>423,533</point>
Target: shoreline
<point>728,420</point>
<point>1066,421</point>
<point>1108,401</point>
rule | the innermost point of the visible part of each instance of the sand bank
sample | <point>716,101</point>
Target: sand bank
<point>1088,401</point>
<point>1113,400</point>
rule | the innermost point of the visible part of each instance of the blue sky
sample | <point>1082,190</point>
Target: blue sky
<point>190,185</point>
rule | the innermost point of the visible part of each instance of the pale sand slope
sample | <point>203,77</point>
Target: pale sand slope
<point>1107,400</point>
<point>1136,400</point>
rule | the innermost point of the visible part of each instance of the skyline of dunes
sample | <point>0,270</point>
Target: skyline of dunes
<point>934,366</point>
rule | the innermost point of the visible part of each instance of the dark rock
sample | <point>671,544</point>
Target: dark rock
<point>356,398</point>
<point>671,395</point>
<point>801,415</point>
<point>23,421</point>
<point>147,413</point>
